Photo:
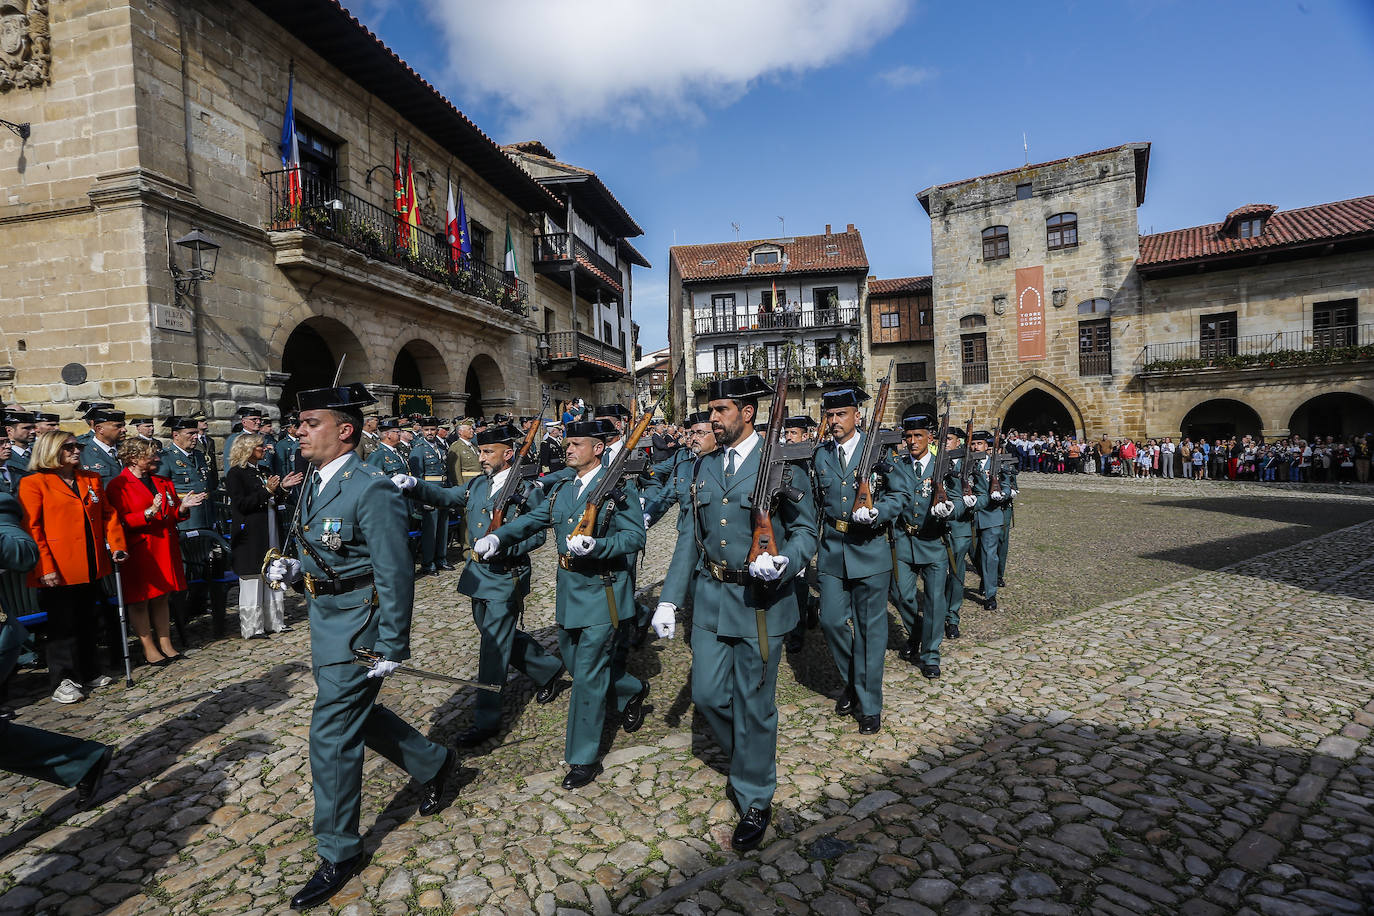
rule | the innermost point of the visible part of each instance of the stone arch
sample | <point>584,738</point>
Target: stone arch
<point>1046,389</point>
<point>310,356</point>
<point>918,407</point>
<point>419,364</point>
<point>1220,418</point>
<point>1333,413</point>
<point>485,386</point>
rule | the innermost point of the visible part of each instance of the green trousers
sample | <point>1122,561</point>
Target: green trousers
<point>738,700</point>
<point>434,537</point>
<point>989,541</point>
<point>504,645</point>
<point>595,657</point>
<point>1003,546</point>
<point>347,718</point>
<point>922,614</point>
<point>954,580</point>
<point>854,621</point>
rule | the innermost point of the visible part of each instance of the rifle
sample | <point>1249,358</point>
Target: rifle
<point>965,469</point>
<point>610,480</point>
<point>941,462</point>
<point>514,475</point>
<point>769,485</point>
<point>995,461</point>
<point>873,442</point>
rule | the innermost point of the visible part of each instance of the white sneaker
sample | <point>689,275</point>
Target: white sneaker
<point>68,692</point>
<point>103,681</point>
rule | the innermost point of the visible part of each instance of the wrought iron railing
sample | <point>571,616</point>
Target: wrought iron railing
<point>323,209</point>
<point>841,316</point>
<point>799,375</point>
<point>1095,363</point>
<point>1281,348</point>
<point>976,373</point>
<point>565,345</point>
<point>566,246</point>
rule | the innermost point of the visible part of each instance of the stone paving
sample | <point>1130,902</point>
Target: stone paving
<point>1203,748</point>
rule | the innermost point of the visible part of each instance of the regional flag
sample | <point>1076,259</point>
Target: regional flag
<point>402,229</point>
<point>451,231</point>
<point>512,267</point>
<point>464,233</point>
<point>290,150</point>
<point>412,210</point>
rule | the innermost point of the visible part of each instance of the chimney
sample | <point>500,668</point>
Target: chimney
<point>827,228</point>
<point>872,277</point>
<point>849,228</point>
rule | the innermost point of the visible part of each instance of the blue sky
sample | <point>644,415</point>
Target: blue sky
<point>703,113</point>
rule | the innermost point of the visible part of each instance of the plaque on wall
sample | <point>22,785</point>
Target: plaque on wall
<point>170,318</point>
<point>25,46</point>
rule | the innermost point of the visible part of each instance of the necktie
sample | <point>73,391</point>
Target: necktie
<point>310,494</point>
<point>730,462</point>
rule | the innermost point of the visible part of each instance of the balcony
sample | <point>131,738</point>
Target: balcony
<point>811,319</point>
<point>805,376</point>
<point>1280,350</point>
<point>556,254</point>
<point>976,373</point>
<point>326,212</point>
<point>581,355</point>
<point>1094,363</point>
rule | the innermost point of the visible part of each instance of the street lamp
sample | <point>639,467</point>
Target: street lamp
<point>204,257</point>
<point>22,131</point>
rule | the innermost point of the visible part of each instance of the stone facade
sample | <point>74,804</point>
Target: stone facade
<point>901,328</point>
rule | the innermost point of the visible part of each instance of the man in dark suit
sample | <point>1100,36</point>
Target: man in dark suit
<point>665,446</point>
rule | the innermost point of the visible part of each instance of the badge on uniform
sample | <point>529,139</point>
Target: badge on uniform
<point>926,487</point>
<point>331,528</point>
<point>91,496</point>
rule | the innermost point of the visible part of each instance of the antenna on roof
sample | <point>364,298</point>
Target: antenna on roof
<point>734,225</point>
<point>1025,147</point>
<point>784,227</point>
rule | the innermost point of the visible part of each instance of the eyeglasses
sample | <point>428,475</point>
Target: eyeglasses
<point>71,446</point>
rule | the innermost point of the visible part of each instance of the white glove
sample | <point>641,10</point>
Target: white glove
<point>970,501</point>
<point>485,547</point>
<point>403,482</point>
<point>579,545</point>
<point>664,620</point>
<point>648,521</point>
<point>865,516</point>
<point>285,569</point>
<point>942,510</point>
<point>995,496</point>
<point>642,504</point>
<point>768,567</point>
<point>1013,493</point>
<point>382,667</point>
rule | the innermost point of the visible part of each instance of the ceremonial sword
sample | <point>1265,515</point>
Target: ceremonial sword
<point>366,658</point>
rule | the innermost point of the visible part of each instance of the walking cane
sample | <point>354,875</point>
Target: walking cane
<point>123,623</point>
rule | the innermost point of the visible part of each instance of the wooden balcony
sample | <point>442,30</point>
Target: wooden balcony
<point>581,355</point>
<point>559,254</point>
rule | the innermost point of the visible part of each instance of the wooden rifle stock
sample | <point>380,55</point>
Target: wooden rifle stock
<point>503,499</point>
<point>863,497</point>
<point>764,539</point>
<point>966,469</point>
<point>995,461</point>
<point>587,524</point>
<point>942,461</point>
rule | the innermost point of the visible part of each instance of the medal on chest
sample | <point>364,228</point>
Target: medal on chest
<point>91,496</point>
<point>330,533</point>
<point>926,487</point>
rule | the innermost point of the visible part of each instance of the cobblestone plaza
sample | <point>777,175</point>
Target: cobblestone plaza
<point>1176,720</point>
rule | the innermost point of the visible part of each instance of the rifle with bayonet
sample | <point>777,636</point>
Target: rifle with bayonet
<point>966,466</point>
<point>615,472</point>
<point>874,443</point>
<point>941,461</point>
<point>518,464</point>
<point>771,481</point>
<point>995,461</point>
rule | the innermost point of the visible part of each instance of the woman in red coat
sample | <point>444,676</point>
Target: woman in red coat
<point>149,508</point>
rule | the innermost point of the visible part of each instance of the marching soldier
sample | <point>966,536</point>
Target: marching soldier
<point>796,430</point>
<point>593,585</point>
<point>355,572</point>
<point>427,463</point>
<point>100,454</point>
<point>673,478</point>
<point>990,520</point>
<point>1010,479</point>
<point>741,609</point>
<point>497,585</point>
<point>854,565</point>
<point>20,426</point>
<point>960,529</point>
<point>616,416</point>
<point>920,552</point>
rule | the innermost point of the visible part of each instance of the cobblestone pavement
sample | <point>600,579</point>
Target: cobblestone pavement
<point>1202,748</point>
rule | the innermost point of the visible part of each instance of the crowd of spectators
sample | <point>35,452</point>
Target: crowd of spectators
<point>1293,459</point>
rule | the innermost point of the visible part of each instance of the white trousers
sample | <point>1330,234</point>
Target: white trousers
<point>252,610</point>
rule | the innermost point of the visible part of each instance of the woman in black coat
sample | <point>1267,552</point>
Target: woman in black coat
<point>251,491</point>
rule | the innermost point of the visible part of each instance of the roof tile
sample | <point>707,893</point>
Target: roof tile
<point>832,252</point>
<point>1322,222</point>
<point>899,286</point>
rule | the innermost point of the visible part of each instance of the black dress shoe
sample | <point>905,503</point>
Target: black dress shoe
<point>432,792</point>
<point>89,785</point>
<point>641,634</point>
<point>952,631</point>
<point>870,725</point>
<point>1001,583</point>
<point>6,714</point>
<point>930,671</point>
<point>991,604</point>
<point>751,828</point>
<point>908,652</point>
<point>474,736</point>
<point>428,571</point>
<point>447,567</point>
<point>845,704</point>
<point>633,716</point>
<point>326,881</point>
<point>549,692</point>
<point>580,774</point>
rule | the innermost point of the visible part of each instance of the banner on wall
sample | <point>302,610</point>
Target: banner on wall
<point>1030,313</point>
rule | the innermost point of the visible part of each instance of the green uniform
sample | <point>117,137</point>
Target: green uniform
<point>497,587</point>
<point>591,646</point>
<point>1010,481</point>
<point>387,460</point>
<point>854,567</point>
<point>671,486</point>
<point>991,522</point>
<point>364,601</point>
<point>189,473</point>
<point>284,455</point>
<point>960,526</point>
<point>921,554</point>
<point>427,463</point>
<point>17,460</point>
<point>97,460</point>
<point>731,686</point>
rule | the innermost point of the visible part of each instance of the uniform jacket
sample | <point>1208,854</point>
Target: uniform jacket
<point>960,524</point>
<point>928,544</point>
<point>18,461</point>
<point>18,554</point>
<point>462,462</point>
<point>669,485</point>
<point>284,455</point>
<point>721,531</point>
<point>992,514</point>
<point>551,453</point>
<point>15,475</point>
<point>427,461</point>
<point>362,506</point>
<point>387,460</point>
<point>505,576</point>
<point>154,567</point>
<point>95,459</point>
<point>58,520</point>
<point>863,550</point>
<point>619,536</point>
<point>189,473</point>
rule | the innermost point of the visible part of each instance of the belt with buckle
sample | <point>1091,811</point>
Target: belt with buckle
<point>839,524</point>
<point>578,564</point>
<point>317,586</point>
<point>912,530</point>
<point>722,573</point>
<point>435,478</point>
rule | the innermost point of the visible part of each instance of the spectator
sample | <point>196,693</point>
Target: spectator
<point>1166,457</point>
<point>147,503</point>
<point>1199,462</point>
<point>78,534</point>
<point>251,490</point>
<point>1361,453</point>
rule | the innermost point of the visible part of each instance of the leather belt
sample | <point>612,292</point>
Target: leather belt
<point>580,564</point>
<point>912,530</point>
<point>722,573</point>
<point>839,524</point>
<point>320,586</point>
<point>434,478</point>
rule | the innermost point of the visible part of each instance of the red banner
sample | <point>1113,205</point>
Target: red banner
<point>1030,313</point>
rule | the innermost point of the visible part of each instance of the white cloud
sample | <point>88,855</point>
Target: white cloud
<point>557,63</point>
<point>906,75</point>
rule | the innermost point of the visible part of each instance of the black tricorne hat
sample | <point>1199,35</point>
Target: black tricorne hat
<point>503,433</point>
<point>104,415</point>
<point>389,423</point>
<point>610,410</point>
<point>253,412</point>
<point>587,429</point>
<point>919,421</point>
<point>955,431</point>
<point>427,421</point>
<point>739,388</point>
<point>13,417</point>
<point>843,397</point>
<point>347,398</point>
<point>42,417</point>
<point>802,421</point>
<point>85,407</point>
<point>700,416</point>
<point>982,435</point>
<point>179,423</point>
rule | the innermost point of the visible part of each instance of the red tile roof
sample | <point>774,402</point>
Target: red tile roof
<point>899,286</point>
<point>1142,153</point>
<point>829,253</point>
<point>1285,228</point>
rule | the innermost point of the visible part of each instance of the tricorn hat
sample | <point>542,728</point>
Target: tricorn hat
<point>739,388</point>
<point>104,415</point>
<point>610,410</point>
<point>348,398</point>
<point>700,416</point>
<point>41,417</point>
<point>982,435</point>
<point>178,423</point>
<point>254,412</point>
<point>843,397</point>
<point>919,421</point>
<point>428,421</point>
<point>590,429</point>
<point>13,417</point>
<point>955,431</point>
<point>802,421</point>
<point>502,433</point>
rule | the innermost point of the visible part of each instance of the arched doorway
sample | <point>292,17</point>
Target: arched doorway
<point>482,382</point>
<point>1221,418</point>
<point>311,357</point>
<point>916,408</point>
<point>421,379</point>
<point>1340,414</point>
<point>1038,411</point>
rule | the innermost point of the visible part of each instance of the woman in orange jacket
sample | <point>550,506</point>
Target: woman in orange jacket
<point>78,533</point>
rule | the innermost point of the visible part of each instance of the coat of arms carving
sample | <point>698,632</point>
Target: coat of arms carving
<point>25,52</point>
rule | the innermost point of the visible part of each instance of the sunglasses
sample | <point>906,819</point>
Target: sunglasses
<point>71,446</point>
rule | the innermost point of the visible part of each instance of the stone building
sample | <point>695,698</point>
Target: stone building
<point>157,117</point>
<point>755,306</point>
<point>901,326</point>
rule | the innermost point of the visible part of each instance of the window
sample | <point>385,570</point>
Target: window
<point>972,321</point>
<point>1250,228</point>
<point>825,297</point>
<point>827,353</point>
<point>723,314</point>
<point>727,358</point>
<point>1024,191</point>
<point>773,356</point>
<point>606,334</point>
<point>481,241</point>
<point>911,372</point>
<point>319,163</point>
<point>1333,323</point>
<point>975,358</point>
<point>766,256</point>
<point>766,300</point>
<point>996,243</point>
<point>890,319</point>
<point>1095,347</point>
<point>1217,335</point>
<point>1061,231</point>
<point>548,321</point>
<point>1094,306</point>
